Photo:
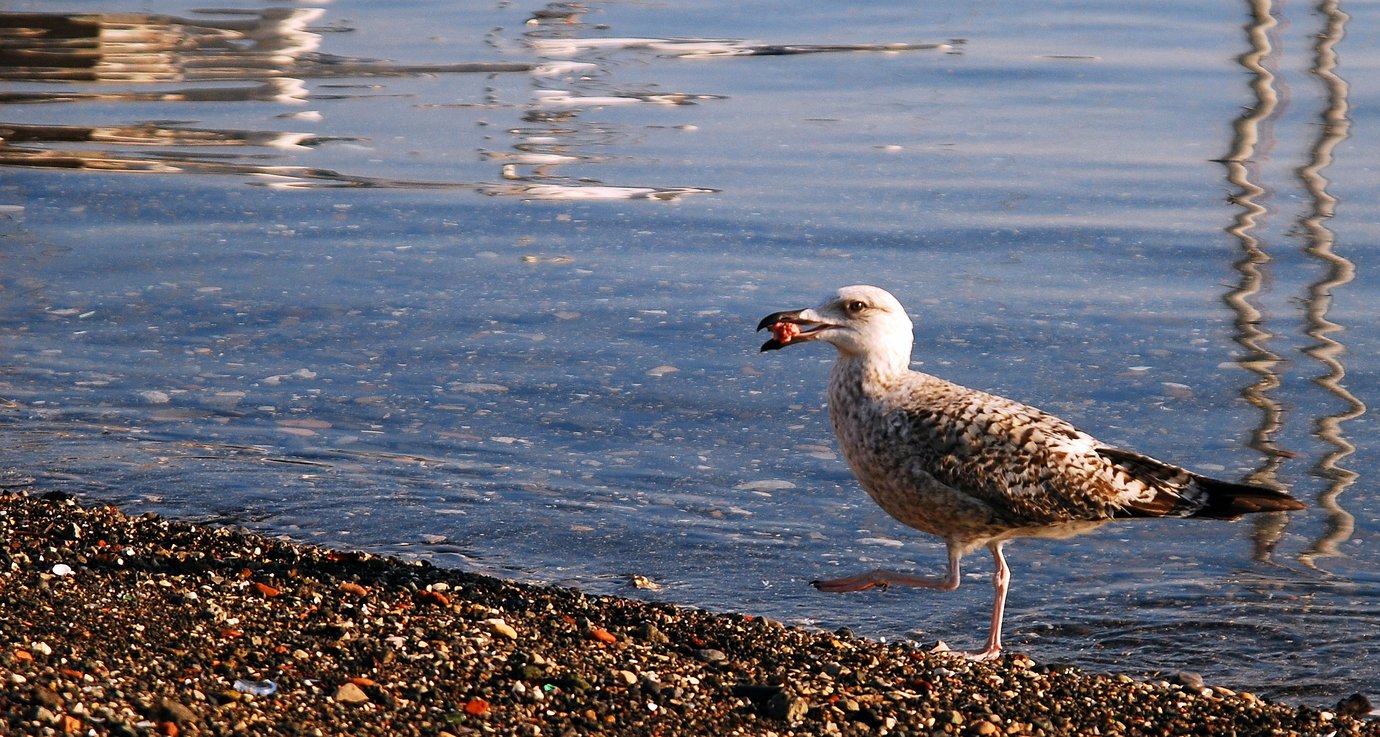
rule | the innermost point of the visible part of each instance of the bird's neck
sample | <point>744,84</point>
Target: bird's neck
<point>875,370</point>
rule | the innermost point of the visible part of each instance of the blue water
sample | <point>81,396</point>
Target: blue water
<point>342,289</point>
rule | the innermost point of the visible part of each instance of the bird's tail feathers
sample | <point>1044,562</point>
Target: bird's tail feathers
<point>1228,500</point>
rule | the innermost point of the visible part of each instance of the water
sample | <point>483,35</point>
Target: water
<point>391,280</point>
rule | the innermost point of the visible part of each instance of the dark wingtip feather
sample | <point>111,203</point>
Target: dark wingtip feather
<point>1227,500</point>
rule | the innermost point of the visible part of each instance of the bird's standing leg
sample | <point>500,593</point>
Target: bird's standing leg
<point>1001,578</point>
<point>878,577</point>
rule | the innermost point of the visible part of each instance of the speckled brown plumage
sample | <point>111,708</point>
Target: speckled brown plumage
<point>974,468</point>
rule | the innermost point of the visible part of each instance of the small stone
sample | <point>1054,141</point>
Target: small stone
<point>433,598</point>
<point>48,697</point>
<point>349,693</point>
<point>710,655</point>
<point>602,635</point>
<point>477,707</point>
<point>1190,679</point>
<point>266,591</point>
<point>787,707</point>
<point>176,712</point>
<point>1355,705</point>
<point>626,676</point>
<point>985,728</point>
<point>576,682</point>
<point>642,582</point>
<point>353,589</point>
<point>650,633</point>
<point>500,627</point>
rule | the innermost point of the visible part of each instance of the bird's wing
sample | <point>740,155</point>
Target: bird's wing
<point>1032,467</point>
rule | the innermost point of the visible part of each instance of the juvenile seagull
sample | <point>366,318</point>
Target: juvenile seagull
<point>973,468</point>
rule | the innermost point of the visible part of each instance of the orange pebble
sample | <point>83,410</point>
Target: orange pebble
<point>602,635</point>
<point>477,707</point>
<point>432,597</point>
<point>268,592</point>
<point>354,589</point>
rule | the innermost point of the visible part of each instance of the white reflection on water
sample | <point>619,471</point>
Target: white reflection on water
<point>277,50</point>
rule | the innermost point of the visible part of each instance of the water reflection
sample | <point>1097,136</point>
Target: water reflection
<point>1327,348</point>
<point>1242,172</point>
<point>268,55</point>
<point>1251,144</point>
<point>136,47</point>
<point>559,133</point>
<point>274,50</point>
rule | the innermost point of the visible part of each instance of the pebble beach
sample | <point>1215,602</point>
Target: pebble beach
<point>112,624</point>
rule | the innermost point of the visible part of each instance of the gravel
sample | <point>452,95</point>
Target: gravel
<point>138,625</point>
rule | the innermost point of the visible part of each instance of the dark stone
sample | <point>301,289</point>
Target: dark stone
<point>176,712</point>
<point>44,696</point>
<point>787,707</point>
<point>1355,705</point>
<point>650,633</point>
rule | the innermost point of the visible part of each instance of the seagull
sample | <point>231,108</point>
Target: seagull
<point>976,469</point>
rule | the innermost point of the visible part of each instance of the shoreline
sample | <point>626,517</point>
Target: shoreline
<point>119,625</point>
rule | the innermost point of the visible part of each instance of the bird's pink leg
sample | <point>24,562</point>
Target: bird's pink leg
<point>1001,579</point>
<point>881,578</point>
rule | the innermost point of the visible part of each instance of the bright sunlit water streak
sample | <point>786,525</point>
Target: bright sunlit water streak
<point>568,390</point>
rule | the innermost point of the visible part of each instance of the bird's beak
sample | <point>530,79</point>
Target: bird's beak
<point>794,326</point>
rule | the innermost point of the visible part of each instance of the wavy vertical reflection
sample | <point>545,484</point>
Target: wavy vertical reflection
<point>1248,132</point>
<point>1327,349</point>
<point>1251,333</point>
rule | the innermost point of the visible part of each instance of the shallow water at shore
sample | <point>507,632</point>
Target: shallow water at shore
<point>463,284</point>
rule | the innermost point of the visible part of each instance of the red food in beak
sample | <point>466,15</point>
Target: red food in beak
<point>785,331</point>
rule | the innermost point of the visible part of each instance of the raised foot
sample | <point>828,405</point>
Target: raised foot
<point>883,579</point>
<point>860,582</point>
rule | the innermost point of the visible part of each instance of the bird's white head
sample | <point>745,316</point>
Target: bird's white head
<point>861,321</point>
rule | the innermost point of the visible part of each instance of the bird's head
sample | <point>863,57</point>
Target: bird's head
<point>860,321</point>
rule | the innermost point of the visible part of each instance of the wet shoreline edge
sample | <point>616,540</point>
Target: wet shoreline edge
<point>113,624</point>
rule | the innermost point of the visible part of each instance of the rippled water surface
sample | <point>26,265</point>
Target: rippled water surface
<point>477,282</point>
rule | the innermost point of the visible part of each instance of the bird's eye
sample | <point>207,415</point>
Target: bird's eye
<point>856,306</point>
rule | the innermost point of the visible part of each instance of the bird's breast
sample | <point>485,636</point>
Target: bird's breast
<point>890,454</point>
